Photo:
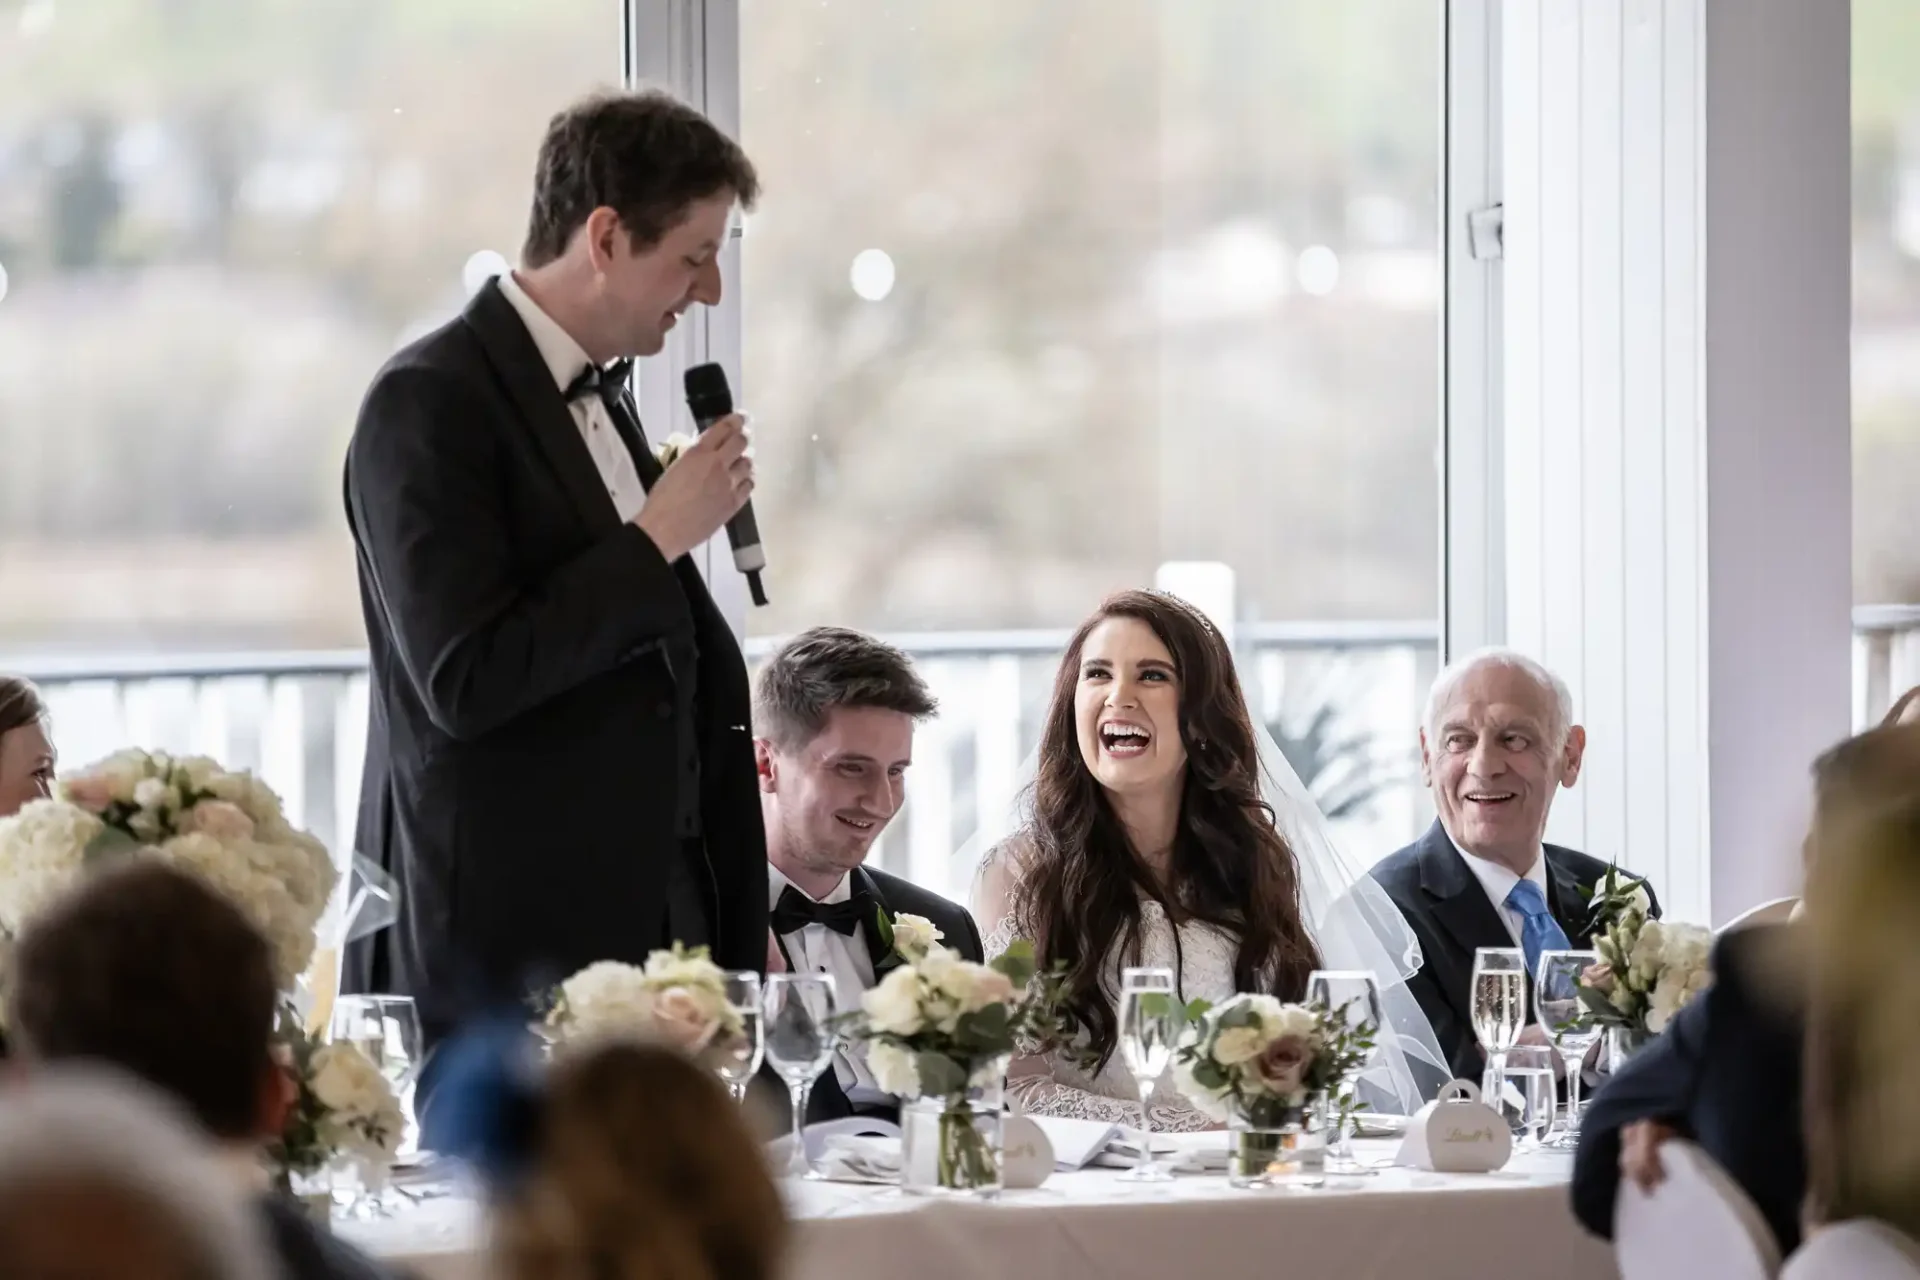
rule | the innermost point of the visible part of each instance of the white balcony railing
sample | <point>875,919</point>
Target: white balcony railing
<point>1340,697</point>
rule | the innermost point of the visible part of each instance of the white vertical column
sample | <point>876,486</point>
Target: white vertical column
<point>1676,440</point>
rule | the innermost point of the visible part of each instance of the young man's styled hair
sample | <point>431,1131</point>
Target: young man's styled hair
<point>830,667</point>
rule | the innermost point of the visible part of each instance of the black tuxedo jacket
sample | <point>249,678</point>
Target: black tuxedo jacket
<point>897,897</point>
<point>552,702</point>
<point>1452,917</point>
<point>1727,1075</point>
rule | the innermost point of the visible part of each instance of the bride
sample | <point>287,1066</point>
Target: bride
<point>1147,839</point>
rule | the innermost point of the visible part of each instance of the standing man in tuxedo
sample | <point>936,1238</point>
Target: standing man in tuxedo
<point>558,766</point>
<point>833,720</point>
<point>1497,743</point>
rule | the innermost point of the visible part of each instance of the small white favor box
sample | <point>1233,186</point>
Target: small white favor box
<point>1457,1133</point>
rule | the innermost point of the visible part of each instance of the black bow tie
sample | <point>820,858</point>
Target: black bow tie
<point>795,911</point>
<point>608,383</point>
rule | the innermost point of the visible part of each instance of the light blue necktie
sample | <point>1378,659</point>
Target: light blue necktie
<point>1539,931</point>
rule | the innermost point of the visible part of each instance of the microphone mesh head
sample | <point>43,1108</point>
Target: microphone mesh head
<point>707,393</point>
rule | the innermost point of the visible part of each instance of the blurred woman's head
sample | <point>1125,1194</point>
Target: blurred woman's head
<point>640,1168</point>
<point>26,752</point>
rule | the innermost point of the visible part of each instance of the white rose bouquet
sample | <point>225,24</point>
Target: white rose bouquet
<point>225,827</point>
<point>939,1025</point>
<point>1257,1060</point>
<point>1649,970</point>
<point>680,996</point>
<point>344,1108</point>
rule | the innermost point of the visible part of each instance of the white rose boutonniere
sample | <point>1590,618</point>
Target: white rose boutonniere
<point>671,448</point>
<point>914,936</point>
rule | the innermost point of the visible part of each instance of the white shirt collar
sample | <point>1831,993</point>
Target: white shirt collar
<point>1498,880</point>
<point>777,882</point>
<point>564,357</point>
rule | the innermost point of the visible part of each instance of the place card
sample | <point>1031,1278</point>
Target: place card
<point>1026,1154</point>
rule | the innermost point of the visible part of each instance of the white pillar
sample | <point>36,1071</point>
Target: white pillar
<point>1677,440</point>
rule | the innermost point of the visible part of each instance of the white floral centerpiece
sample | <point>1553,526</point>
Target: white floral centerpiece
<point>680,996</point>
<point>939,1031</point>
<point>345,1110</point>
<point>1649,969</point>
<point>1259,1064</point>
<point>227,828</point>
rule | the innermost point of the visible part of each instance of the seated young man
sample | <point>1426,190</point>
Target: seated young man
<point>833,718</point>
<point>145,969</point>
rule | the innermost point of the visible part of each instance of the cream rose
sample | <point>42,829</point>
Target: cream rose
<point>893,1006</point>
<point>894,1069</point>
<point>1236,1045</point>
<point>685,1017</point>
<point>914,936</point>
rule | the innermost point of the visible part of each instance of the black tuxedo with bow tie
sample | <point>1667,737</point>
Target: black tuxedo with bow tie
<point>558,742</point>
<point>871,892</point>
<point>1452,917</point>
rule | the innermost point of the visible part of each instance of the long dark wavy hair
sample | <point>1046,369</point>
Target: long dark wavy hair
<point>1082,880</point>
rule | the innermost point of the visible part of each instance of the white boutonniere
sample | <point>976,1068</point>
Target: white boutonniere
<point>672,447</point>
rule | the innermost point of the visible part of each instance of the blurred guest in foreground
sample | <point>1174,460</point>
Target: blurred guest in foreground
<point>1498,742</point>
<point>26,752</point>
<point>145,969</point>
<point>623,1161</point>
<point>1727,1072</point>
<point>101,1179</point>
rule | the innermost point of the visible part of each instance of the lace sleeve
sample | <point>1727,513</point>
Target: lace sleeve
<point>1032,1088</point>
<point>995,886</point>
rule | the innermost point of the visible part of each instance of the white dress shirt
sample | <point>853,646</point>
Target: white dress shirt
<point>818,949</point>
<point>1498,881</point>
<point>565,359</point>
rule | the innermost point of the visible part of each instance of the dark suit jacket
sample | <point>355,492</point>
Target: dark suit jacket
<point>1727,1075</point>
<point>550,698</point>
<point>308,1251</point>
<point>1452,917</point>
<point>899,897</point>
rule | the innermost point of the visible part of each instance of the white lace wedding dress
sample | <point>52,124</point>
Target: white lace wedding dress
<point>1053,1083</point>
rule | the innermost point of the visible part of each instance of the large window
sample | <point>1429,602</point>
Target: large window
<point>1886,348</point>
<point>1050,299</point>
<point>217,218</point>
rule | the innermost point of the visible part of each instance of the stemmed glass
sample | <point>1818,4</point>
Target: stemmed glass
<point>800,1039</point>
<point>1353,994</point>
<point>1150,1020</point>
<point>1566,1017</point>
<point>736,1058</point>
<point>1499,1008</point>
<point>386,1029</point>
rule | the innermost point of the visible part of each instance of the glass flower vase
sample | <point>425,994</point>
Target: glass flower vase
<point>1623,1045</point>
<point>952,1145</point>
<point>1273,1144</point>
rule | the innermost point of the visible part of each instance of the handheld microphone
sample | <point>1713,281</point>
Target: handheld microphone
<point>709,400</point>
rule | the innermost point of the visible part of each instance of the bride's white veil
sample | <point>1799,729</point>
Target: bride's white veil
<point>1354,923</point>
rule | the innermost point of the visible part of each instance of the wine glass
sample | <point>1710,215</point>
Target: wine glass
<point>736,1058</point>
<point>386,1029</point>
<point>798,1017</point>
<point>1150,1019</point>
<point>1566,1017</point>
<point>1499,1009</point>
<point>1354,995</point>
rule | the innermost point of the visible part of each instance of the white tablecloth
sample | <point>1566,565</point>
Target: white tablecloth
<point>1397,1225</point>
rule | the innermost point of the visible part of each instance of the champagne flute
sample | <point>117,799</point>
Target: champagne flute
<point>798,1014</point>
<point>1499,1009</point>
<point>737,1058</point>
<point>1150,1019</point>
<point>1354,995</point>
<point>1566,1017</point>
